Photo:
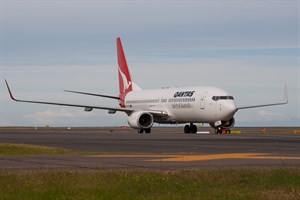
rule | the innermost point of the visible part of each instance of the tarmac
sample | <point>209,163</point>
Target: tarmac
<point>163,149</point>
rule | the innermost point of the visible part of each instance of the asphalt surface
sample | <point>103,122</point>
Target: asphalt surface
<point>164,149</point>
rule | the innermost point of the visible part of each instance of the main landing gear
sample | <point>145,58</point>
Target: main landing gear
<point>147,130</point>
<point>190,128</point>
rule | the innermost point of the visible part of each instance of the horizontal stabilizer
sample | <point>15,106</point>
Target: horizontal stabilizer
<point>93,94</point>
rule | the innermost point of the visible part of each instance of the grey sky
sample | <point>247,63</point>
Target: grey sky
<point>249,48</point>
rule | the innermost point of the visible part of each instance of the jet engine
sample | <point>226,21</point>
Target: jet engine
<point>224,124</point>
<point>140,120</point>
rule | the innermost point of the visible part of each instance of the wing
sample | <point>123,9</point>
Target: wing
<point>285,101</point>
<point>88,108</point>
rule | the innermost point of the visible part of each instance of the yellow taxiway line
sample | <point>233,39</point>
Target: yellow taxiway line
<point>191,158</point>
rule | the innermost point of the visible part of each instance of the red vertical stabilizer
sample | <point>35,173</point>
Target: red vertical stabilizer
<point>125,83</point>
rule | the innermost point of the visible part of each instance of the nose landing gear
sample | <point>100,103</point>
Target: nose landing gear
<point>220,130</point>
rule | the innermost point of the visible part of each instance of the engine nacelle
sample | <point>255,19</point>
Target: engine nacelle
<point>228,124</point>
<point>225,124</point>
<point>140,120</point>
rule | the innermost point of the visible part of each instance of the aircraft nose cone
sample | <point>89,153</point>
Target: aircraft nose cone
<point>229,110</point>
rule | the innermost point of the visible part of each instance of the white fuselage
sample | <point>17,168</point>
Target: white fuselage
<point>185,104</point>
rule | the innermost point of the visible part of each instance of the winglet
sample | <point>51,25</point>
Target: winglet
<point>10,93</point>
<point>286,98</point>
<point>285,101</point>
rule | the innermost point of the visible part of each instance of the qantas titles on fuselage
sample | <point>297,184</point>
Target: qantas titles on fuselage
<point>168,106</point>
<point>184,94</point>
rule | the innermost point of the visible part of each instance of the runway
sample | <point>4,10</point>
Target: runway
<point>164,149</point>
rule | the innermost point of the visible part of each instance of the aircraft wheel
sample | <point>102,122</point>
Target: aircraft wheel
<point>187,129</point>
<point>148,130</point>
<point>141,131</point>
<point>218,130</point>
<point>193,129</point>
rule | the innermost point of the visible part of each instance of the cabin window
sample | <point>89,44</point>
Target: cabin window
<point>217,98</point>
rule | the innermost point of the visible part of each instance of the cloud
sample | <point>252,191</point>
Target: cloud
<point>51,116</point>
<point>269,116</point>
<point>274,117</point>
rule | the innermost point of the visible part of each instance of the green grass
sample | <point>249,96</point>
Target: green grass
<point>276,183</point>
<point>9,149</point>
<point>262,183</point>
<point>12,149</point>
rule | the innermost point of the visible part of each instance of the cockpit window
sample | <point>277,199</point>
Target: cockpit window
<point>217,98</point>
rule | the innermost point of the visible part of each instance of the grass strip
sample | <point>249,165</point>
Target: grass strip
<point>9,149</point>
<point>13,149</point>
<point>263,183</point>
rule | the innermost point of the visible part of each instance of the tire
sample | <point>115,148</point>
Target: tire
<point>187,129</point>
<point>141,131</point>
<point>148,130</point>
<point>218,131</point>
<point>193,129</point>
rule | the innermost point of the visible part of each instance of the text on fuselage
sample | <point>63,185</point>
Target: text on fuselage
<point>184,94</point>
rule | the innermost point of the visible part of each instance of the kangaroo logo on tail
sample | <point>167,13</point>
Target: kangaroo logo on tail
<point>125,82</point>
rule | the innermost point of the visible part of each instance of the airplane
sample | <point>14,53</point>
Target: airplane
<point>180,105</point>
